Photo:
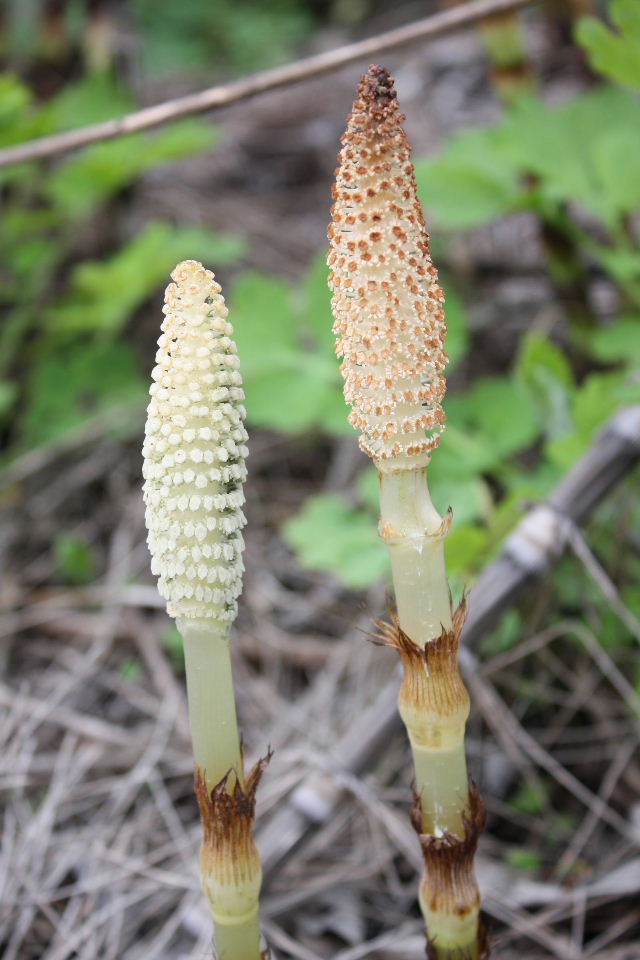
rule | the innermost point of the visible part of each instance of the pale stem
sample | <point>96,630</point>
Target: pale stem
<point>216,749</point>
<point>451,935</point>
<point>238,941</point>
<point>414,532</point>
<point>212,705</point>
<point>443,788</point>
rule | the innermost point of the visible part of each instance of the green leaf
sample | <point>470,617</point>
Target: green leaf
<point>98,172</point>
<point>597,398</point>
<point>521,858</point>
<point>198,35</point>
<point>561,827</point>
<point>462,453</point>
<point>368,487</point>
<point>74,558</point>
<point>506,514</point>
<point>501,412</point>
<point>31,259</point>
<point>469,183</point>
<point>261,310</point>
<point>504,40</point>
<point>330,535</point>
<point>468,497</point>
<point>94,98</point>
<point>539,158</point>
<point>623,265</point>
<point>130,669</point>
<point>530,798</point>
<point>71,388</point>
<point>612,634</point>
<point>560,147</point>
<point>614,54</point>
<point>543,369</point>
<point>618,341</point>
<point>541,141</point>
<point>618,179</point>
<point>291,377</point>
<point>457,342</point>
<point>465,549</point>
<point>315,308</point>
<point>293,397</point>
<point>105,293</point>
<point>15,98</point>
<point>8,393</point>
<point>171,640</point>
<point>20,120</point>
<point>530,483</point>
<point>503,637</point>
<point>315,322</point>
<point>264,329</point>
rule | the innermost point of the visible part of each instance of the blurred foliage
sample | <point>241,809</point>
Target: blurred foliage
<point>292,381</point>
<point>510,438</point>
<point>614,53</point>
<point>522,858</point>
<point>220,34</point>
<point>64,314</point>
<point>531,798</point>
<point>130,669</point>
<point>552,162</point>
<point>76,274</point>
<point>94,175</point>
<point>103,294</point>
<point>66,390</point>
<point>172,643</point>
<point>328,534</point>
<point>74,558</point>
<point>187,38</point>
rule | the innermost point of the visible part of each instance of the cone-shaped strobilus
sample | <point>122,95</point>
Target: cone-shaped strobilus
<point>390,329</point>
<point>194,468</point>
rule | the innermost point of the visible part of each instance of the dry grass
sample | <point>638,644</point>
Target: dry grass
<point>100,826</point>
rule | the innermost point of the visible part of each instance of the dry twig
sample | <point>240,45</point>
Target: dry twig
<point>223,96</point>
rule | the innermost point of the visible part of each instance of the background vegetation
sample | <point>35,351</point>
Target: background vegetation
<point>544,340</point>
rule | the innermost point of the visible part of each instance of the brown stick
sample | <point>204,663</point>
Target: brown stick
<point>214,98</point>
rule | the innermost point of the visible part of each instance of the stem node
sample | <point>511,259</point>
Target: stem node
<point>449,894</point>
<point>434,706</point>
<point>230,869</point>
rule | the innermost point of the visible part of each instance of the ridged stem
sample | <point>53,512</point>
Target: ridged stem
<point>434,706</point>
<point>212,704</point>
<point>442,785</point>
<point>241,942</point>
<point>414,533</point>
<point>230,871</point>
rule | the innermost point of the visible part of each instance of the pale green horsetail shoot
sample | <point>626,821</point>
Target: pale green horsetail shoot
<point>194,468</point>
<point>390,328</point>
